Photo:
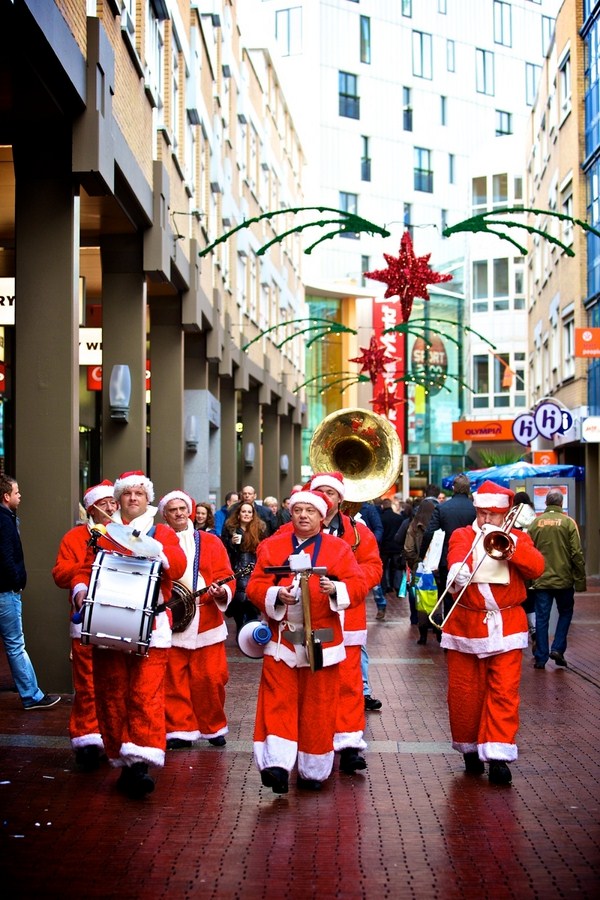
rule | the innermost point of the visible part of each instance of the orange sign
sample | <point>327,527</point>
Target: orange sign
<point>587,342</point>
<point>484,430</point>
<point>544,458</point>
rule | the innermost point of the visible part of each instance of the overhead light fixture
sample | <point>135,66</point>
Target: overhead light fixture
<point>191,434</point>
<point>119,393</point>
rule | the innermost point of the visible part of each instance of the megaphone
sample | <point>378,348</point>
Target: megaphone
<point>253,637</point>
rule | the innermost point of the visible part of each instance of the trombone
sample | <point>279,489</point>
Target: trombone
<point>498,545</point>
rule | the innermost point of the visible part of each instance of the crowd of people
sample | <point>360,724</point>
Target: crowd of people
<point>304,569</point>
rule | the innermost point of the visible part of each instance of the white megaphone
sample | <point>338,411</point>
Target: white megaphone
<point>253,637</point>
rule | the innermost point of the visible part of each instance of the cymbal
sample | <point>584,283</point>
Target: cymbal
<point>137,543</point>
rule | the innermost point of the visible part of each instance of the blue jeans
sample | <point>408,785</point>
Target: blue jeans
<point>364,667</point>
<point>565,599</point>
<point>11,630</point>
<point>378,597</point>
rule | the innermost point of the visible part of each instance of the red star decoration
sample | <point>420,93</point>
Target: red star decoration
<point>385,400</point>
<point>407,276</point>
<point>373,360</point>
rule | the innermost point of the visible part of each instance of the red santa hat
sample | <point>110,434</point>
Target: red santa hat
<point>134,479</point>
<point>177,495</point>
<point>493,497</point>
<point>315,498</point>
<point>98,492</point>
<point>333,480</point>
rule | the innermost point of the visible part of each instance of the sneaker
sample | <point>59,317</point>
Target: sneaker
<point>558,658</point>
<point>380,614</point>
<point>372,704</point>
<point>47,701</point>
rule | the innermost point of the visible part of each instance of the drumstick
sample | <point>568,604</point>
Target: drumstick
<point>105,514</point>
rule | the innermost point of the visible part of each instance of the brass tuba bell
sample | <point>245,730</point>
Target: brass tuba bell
<point>363,446</point>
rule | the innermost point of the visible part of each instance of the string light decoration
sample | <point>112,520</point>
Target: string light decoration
<point>407,276</point>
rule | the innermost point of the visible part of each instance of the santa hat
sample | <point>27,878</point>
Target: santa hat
<point>315,498</point>
<point>98,492</point>
<point>176,495</point>
<point>333,480</point>
<point>134,479</point>
<point>493,497</point>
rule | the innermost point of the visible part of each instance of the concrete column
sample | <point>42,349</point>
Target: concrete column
<point>297,454</point>
<point>166,409</point>
<point>47,388</point>
<point>286,449</point>
<point>202,465</point>
<point>271,451</point>
<point>250,468</point>
<point>124,316</point>
<point>229,441</point>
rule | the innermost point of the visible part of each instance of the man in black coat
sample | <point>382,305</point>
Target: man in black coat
<point>457,512</point>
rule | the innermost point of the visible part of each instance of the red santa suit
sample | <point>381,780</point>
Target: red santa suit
<point>130,699</point>
<point>74,554</point>
<point>197,667</point>
<point>296,708</point>
<point>485,636</point>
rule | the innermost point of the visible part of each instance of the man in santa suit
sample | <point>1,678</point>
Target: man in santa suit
<point>485,636</point>
<point>197,667</point>
<point>130,698</point>
<point>349,739</point>
<point>77,550</point>
<point>296,708</point>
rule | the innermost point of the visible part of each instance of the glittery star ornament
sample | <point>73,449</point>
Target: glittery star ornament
<point>385,400</point>
<point>373,360</point>
<point>407,276</point>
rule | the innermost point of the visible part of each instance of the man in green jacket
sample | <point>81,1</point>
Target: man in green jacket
<point>556,536</point>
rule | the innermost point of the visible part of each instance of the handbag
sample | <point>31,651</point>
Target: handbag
<point>432,558</point>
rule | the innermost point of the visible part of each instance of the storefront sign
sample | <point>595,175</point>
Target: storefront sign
<point>544,458</point>
<point>587,343</point>
<point>590,430</point>
<point>548,419</point>
<point>484,430</point>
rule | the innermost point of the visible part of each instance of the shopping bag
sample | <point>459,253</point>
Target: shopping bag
<point>426,593</point>
<point>434,551</point>
<point>402,586</point>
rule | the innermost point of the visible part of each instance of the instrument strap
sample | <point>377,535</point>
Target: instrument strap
<point>196,567</point>
<point>300,547</point>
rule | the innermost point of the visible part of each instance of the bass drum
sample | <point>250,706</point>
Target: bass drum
<point>119,610</point>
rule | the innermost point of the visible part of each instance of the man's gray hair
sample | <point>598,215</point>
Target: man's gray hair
<point>554,498</point>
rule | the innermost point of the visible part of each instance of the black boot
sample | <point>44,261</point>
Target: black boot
<point>135,781</point>
<point>276,778</point>
<point>473,765</point>
<point>422,634</point>
<point>88,758</point>
<point>351,761</point>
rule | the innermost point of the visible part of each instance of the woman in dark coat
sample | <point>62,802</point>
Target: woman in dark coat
<point>242,532</point>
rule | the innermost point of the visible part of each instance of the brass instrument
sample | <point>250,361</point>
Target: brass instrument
<point>363,446</point>
<point>498,545</point>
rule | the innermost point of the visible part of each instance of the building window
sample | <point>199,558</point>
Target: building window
<point>349,204</point>
<point>503,122</point>
<point>450,56</point>
<point>484,72</point>
<point>519,282</point>
<point>480,286</point>
<point>407,8</point>
<point>365,266</point>
<point>442,7</point>
<point>365,39</point>
<point>288,30</point>
<point>444,220</point>
<point>365,161</point>
<point>481,382</point>
<point>502,23</point>
<point>407,218</point>
<point>568,329</point>
<point>500,285</point>
<point>500,189</point>
<point>532,76</point>
<point>443,110</point>
<point>423,174</point>
<point>547,32</point>
<point>479,194</point>
<point>422,66</point>
<point>349,101</point>
<point>502,379</point>
<point>564,86</point>
<point>407,113</point>
<point>566,208</point>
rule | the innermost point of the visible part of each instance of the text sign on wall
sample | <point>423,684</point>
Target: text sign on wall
<point>548,419</point>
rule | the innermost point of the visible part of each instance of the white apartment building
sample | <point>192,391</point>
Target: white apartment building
<point>413,114</point>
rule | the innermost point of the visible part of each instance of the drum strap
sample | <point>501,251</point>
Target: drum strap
<point>196,560</point>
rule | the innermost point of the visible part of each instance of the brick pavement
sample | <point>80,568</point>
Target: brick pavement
<point>412,826</point>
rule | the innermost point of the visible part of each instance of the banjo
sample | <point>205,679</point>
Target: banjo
<point>182,602</point>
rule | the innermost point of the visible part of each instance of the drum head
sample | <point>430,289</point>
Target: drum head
<point>129,539</point>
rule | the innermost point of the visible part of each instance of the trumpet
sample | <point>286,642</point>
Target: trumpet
<point>498,545</point>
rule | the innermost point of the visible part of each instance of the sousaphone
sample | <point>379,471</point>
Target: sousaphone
<point>363,446</point>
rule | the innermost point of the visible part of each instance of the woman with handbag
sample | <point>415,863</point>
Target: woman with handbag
<point>242,532</point>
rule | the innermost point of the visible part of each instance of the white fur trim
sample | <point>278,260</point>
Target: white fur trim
<point>132,753</point>
<point>328,481</point>
<point>309,497</point>
<point>275,751</point>
<point>464,748</point>
<point>134,481</point>
<point>175,495</point>
<point>344,740</point>
<point>491,501</point>
<point>99,492</point>
<point>317,767</point>
<point>355,638</point>
<point>87,740</point>
<point>495,750</point>
<point>184,735</point>
<point>214,734</point>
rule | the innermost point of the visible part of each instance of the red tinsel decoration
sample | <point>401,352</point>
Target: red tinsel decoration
<point>407,276</point>
<point>373,360</point>
<point>385,400</point>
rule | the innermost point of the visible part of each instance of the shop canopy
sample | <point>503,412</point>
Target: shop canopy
<point>505,474</point>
